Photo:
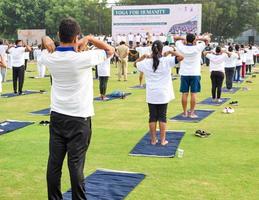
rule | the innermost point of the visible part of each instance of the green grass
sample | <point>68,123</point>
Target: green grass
<point>223,166</point>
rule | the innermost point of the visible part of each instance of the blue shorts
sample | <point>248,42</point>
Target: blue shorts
<point>190,83</point>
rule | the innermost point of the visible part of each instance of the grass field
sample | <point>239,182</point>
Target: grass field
<point>224,166</point>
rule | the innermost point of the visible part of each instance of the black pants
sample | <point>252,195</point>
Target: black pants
<point>103,80</point>
<point>69,135</point>
<point>25,64</point>
<point>157,112</point>
<point>217,78</point>
<point>229,77</point>
<point>96,72</point>
<point>248,69</point>
<point>18,75</point>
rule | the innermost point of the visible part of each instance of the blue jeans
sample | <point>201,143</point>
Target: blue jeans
<point>237,73</point>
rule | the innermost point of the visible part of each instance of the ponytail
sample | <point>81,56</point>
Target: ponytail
<point>157,48</point>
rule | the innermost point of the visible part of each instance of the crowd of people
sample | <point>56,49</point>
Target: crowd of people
<point>70,64</point>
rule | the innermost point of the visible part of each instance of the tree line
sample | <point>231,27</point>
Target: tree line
<point>226,18</point>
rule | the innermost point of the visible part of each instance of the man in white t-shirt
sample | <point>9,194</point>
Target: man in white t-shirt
<point>17,54</point>
<point>131,39</point>
<point>71,104</point>
<point>138,39</point>
<point>190,68</point>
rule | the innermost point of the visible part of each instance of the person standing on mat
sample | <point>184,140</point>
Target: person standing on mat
<point>238,65</point>
<point>123,53</point>
<point>230,67</point>
<point>217,67</point>
<point>159,87</point>
<point>71,104</point>
<point>104,73</point>
<point>17,54</point>
<point>190,69</point>
<point>3,70</point>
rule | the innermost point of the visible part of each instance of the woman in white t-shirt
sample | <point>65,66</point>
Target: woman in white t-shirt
<point>159,88</point>
<point>103,73</point>
<point>217,67</point>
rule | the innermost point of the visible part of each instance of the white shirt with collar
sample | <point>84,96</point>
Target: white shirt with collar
<point>72,88</point>
<point>17,55</point>
<point>191,64</point>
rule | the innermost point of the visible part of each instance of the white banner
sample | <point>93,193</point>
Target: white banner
<point>31,36</point>
<point>176,19</point>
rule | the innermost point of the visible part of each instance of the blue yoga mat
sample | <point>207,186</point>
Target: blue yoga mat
<point>234,90</point>
<point>42,112</point>
<point>202,114</point>
<point>144,148</point>
<point>109,185</point>
<point>110,97</point>
<point>12,125</point>
<point>27,92</point>
<point>138,87</point>
<point>209,101</point>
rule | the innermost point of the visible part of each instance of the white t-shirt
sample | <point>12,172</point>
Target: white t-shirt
<point>118,39</point>
<point>243,55</point>
<point>191,64</point>
<point>138,38</point>
<point>72,88</point>
<point>131,37</point>
<point>159,87</point>
<point>162,38</point>
<point>166,49</point>
<point>17,54</point>
<point>231,61</point>
<point>109,39</point>
<point>3,49</point>
<point>250,56</point>
<point>217,62</point>
<point>27,55</point>
<point>239,60</point>
<point>124,38</point>
<point>104,68</point>
<point>143,50</point>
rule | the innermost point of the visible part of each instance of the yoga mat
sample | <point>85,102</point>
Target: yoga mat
<point>209,101</point>
<point>35,77</point>
<point>110,97</point>
<point>144,148</point>
<point>234,90</point>
<point>41,112</point>
<point>26,92</point>
<point>138,87</point>
<point>12,125</point>
<point>202,114</point>
<point>109,185</point>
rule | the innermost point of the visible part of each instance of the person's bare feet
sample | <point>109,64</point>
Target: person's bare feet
<point>185,114</point>
<point>193,115</point>
<point>163,143</point>
<point>154,142</point>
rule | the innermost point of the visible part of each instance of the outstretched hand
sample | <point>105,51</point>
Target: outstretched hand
<point>48,43</point>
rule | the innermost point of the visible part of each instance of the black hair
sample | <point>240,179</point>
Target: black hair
<point>144,44</point>
<point>122,42</point>
<point>218,49</point>
<point>166,43</point>
<point>17,41</point>
<point>242,46</point>
<point>1,42</point>
<point>230,48</point>
<point>68,30</point>
<point>157,48</point>
<point>237,47</point>
<point>190,38</point>
<point>250,47</point>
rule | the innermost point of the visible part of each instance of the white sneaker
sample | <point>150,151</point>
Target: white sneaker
<point>225,110</point>
<point>219,100</point>
<point>231,110</point>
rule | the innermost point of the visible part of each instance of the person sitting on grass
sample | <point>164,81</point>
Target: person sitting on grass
<point>71,104</point>
<point>217,67</point>
<point>190,69</point>
<point>159,86</point>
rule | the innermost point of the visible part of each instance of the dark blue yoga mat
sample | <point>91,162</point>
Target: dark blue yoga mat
<point>145,148</point>
<point>109,185</point>
<point>42,112</point>
<point>12,125</point>
<point>202,114</point>
<point>27,92</point>
<point>138,87</point>
<point>110,97</point>
<point>234,90</point>
<point>209,101</point>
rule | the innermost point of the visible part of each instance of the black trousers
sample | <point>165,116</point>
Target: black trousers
<point>249,69</point>
<point>69,135</point>
<point>18,75</point>
<point>217,78</point>
<point>229,77</point>
<point>96,72</point>
<point>25,64</point>
<point>157,112</point>
<point>103,80</point>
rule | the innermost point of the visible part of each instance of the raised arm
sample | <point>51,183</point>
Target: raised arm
<point>2,62</point>
<point>49,44</point>
<point>140,59</point>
